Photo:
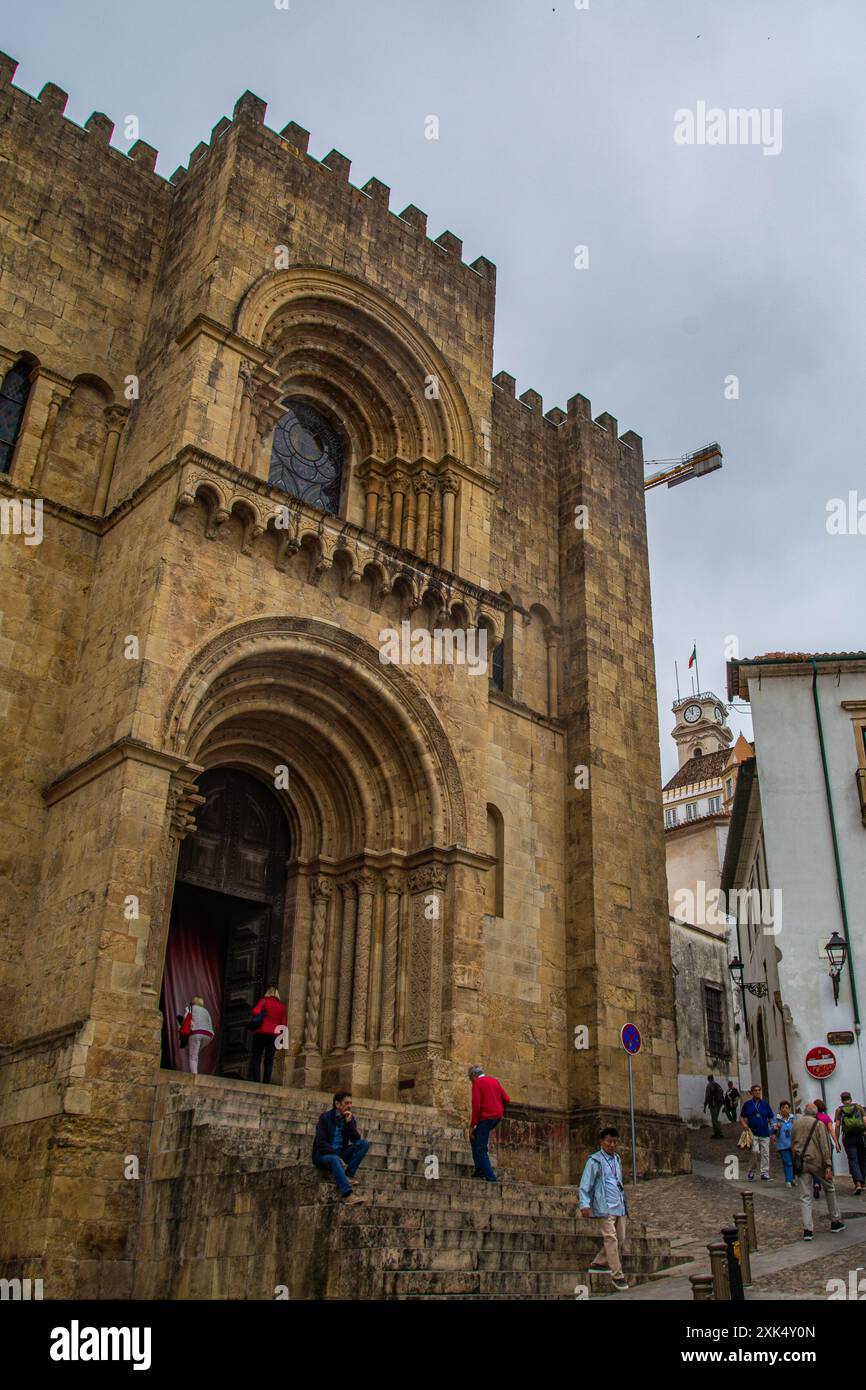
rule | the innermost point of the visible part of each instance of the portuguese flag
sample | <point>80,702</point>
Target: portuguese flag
<point>694,656</point>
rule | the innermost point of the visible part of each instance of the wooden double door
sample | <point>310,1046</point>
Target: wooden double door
<point>229,904</point>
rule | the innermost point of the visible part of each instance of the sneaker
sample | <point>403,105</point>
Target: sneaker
<point>597,1268</point>
<point>751,1175</point>
<point>837,1226</point>
<point>352,1199</point>
<point>765,1177</point>
<point>858,1191</point>
<point>807,1235</point>
<point>620,1284</point>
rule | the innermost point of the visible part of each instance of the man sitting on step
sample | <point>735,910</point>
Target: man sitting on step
<point>338,1147</point>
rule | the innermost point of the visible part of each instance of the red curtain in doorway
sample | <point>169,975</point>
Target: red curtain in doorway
<point>193,965</point>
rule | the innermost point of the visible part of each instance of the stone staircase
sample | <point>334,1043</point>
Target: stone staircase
<point>233,1208</point>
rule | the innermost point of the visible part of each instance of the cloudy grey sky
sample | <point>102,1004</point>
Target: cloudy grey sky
<point>557,130</point>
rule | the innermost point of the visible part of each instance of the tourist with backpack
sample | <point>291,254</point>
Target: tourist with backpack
<point>850,1130</point>
<point>732,1102</point>
<point>714,1098</point>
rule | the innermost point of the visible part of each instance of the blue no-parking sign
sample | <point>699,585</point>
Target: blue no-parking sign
<point>631,1038</point>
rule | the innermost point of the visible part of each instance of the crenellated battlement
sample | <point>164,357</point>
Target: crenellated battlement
<point>579,408</point>
<point>249,108</point>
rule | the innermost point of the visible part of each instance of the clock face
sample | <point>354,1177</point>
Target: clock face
<point>720,714</point>
<point>692,713</point>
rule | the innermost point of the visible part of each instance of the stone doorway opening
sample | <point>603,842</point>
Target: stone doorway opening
<point>225,932</point>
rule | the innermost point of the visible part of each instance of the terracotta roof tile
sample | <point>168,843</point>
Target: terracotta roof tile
<point>703,769</point>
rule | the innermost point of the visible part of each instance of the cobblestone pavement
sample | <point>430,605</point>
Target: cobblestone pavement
<point>691,1211</point>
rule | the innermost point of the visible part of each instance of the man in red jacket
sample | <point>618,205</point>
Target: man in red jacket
<point>488,1106</point>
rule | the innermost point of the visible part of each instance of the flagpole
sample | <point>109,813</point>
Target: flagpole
<point>697,670</point>
<point>677,674</point>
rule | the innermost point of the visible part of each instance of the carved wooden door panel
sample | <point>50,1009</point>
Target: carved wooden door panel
<point>239,848</point>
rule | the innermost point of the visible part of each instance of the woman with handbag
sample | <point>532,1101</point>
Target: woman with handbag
<point>196,1030</point>
<point>269,1017</point>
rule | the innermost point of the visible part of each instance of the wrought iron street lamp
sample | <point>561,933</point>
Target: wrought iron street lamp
<point>759,988</point>
<point>836,952</point>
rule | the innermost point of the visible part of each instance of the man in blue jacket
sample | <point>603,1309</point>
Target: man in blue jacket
<point>757,1117</point>
<point>602,1195</point>
<point>338,1147</point>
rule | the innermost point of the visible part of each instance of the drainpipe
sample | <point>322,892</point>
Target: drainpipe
<point>840,886</point>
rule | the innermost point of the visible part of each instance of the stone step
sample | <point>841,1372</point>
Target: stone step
<point>414,1283</point>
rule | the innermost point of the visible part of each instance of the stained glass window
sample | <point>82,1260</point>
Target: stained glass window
<point>307,457</point>
<point>13,398</point>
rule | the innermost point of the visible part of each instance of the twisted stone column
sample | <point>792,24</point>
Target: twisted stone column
<point>320,892</point>
<point>347,952</point>
<point>393,892</point>
<point>366,882</point>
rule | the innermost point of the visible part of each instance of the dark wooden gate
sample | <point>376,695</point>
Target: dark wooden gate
<point>240,849</point>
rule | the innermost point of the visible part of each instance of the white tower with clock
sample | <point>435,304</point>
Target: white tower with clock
<point>700,726</point>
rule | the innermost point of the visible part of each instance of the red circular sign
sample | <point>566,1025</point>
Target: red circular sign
<point>820,1062</point>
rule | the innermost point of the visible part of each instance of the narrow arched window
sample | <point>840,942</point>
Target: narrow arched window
<point>13,399</point>
<point>495,887</point>
<point>497,667</point>
<point>307,457</point>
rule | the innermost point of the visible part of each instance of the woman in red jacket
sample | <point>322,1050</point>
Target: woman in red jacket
<point>265,1037</point>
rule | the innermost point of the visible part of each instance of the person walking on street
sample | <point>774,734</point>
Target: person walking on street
<point>821,1110</point>
<point>850,1130</point>
<point>812,1152</point>
<point>782,1140</point>
<point>602,1197</point>
<point>488,1107</point>
<point>714,1098</point>
<point>273,1016</point>
<point>338,1147</point>
<point>732,1097</point>
<point>757,1117</point>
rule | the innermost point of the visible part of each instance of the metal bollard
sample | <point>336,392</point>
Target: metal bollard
<point>719,1271</point>
<point>749,1209</point>
<point>702,1287</point>
<point>742,1221</point>
<point>729,1235</point>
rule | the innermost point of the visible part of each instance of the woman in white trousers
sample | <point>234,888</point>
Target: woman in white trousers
<point>200,1033</point>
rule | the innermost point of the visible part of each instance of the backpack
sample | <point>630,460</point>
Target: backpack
<point>852,1121</point>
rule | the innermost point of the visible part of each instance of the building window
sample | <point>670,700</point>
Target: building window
<point>671,815</point>
<point>497,667</point>
<point>729,788</point>
<point>494,888</point>
<point>13,399</point>
<point>692,811</point>
<point>714,1013</point>
<point>307,457</point>
<point>698,753</point>
<point>715,804</point>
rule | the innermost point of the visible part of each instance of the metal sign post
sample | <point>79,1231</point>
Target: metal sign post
<point>631,1040</point>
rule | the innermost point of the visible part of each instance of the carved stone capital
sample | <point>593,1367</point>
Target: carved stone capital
<point>428,878</point>
<point>449,483</point>
<point>321,888</point>
<point>424,482</point>
<point>394,880</point>
<point>366,881</point>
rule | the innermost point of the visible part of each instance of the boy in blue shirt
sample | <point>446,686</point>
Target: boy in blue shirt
<point>757,1116</point>
<point>782,1140</point>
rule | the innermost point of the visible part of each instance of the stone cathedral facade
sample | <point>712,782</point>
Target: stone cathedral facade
<point>248,428</point>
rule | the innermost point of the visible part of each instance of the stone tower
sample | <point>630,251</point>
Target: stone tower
<point>251,408</point>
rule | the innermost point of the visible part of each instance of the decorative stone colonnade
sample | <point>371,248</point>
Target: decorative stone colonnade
<point>374,981</point>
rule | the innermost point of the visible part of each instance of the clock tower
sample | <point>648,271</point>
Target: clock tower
<point>700,726</point>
